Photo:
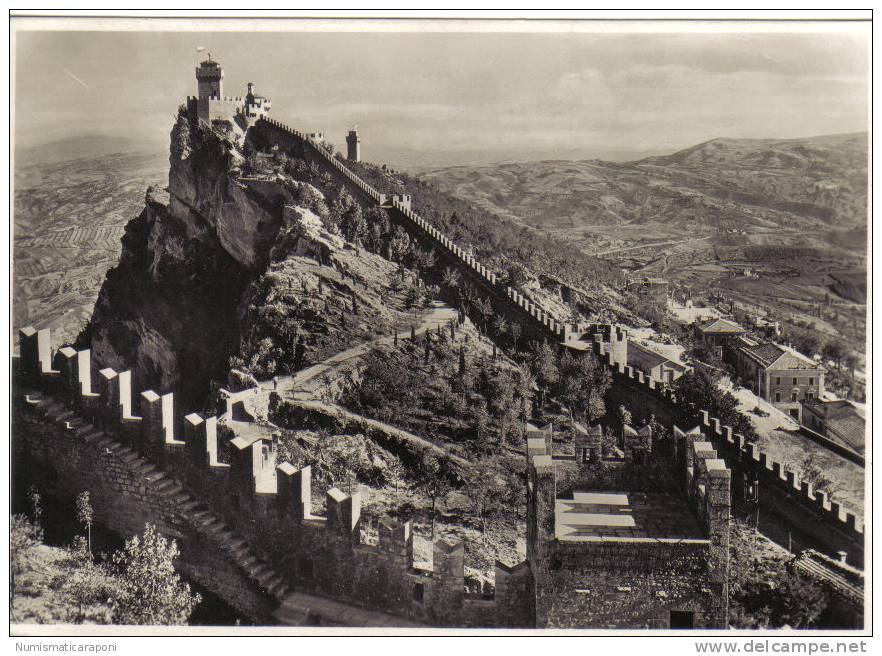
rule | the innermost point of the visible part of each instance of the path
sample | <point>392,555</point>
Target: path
<point>286,385</point>
<point>654,245</point>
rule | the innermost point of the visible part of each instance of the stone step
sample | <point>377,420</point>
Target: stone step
<point>173,488</point>
<point>189,506</point>
<point>265,577</point>
<point>85,429</point>
<point>161,485</point>
<point>147,468</point>
<point>155,475</point>
<point>274,582</point>
<point>281,591</point>
<point>104,441</point>
<point>238,544</point>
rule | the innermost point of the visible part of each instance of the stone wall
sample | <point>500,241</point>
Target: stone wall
<point>631,582</point>
<point>221,474</point>
<point>642,395</point>
<point>820,521</point>
<point>64,456</point>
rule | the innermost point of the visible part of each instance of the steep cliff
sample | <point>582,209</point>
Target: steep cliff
<point>235,261</point>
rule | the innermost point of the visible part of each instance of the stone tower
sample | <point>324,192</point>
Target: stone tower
<point>210,77</point>
<point>353,146</point>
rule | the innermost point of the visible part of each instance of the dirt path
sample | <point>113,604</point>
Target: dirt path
<point>439,313</point>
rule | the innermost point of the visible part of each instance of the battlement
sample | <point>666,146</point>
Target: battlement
<point>769,471</point>
<point>232,461</point>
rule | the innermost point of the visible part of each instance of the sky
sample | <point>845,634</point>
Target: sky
<point>454,94</point>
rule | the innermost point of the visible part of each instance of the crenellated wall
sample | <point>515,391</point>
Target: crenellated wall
<point>823,521</point>
<point>630,581</point>
<point>642,395</point>
<point>227,478</point>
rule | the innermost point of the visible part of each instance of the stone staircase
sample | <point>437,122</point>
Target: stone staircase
<point>195,512</point>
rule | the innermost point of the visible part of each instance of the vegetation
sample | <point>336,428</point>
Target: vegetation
<point>696,392</point>
<point>763,592</point>
<point>136,585</point>
<point>502,247</point>
<point>151,592</point>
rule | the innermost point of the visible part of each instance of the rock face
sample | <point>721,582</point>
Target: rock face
<point>311,238</point>
<point>169,309</point>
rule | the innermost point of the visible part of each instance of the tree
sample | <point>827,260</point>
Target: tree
<point>763,592</point>
<point>84,516</point>
<point>36,503</point>
<point>851,362</point>
<point>833,351</point>
<point>484,495</point>
<point>450,278</point>
<point>433,481</point>
<point>23,534</point>
<point>151,592</point>
<point>485,310</point>
<point>500,325</point>
<point>515,331</point>
<point>543,364</point>
<point>695,392</point>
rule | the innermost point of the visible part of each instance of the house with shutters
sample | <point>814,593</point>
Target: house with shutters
<point>777,374</point>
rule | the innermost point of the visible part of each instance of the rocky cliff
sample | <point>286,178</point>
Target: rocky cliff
<point>200,266</point>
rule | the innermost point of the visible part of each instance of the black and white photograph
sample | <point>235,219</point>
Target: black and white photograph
<point>412,325</point>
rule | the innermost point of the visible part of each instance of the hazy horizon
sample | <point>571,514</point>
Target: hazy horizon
<point>443,99</point>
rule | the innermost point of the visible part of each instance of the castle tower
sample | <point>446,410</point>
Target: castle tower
<point>210,77</point>
<point>353,146</point>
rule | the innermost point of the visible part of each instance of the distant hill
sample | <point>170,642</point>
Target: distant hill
<point>85,146</point>
<point>816,184</point>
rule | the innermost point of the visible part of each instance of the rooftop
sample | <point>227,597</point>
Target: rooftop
<point>836,575</point>
<point>627,515</point>
<point>722,326</point>
<point>772,356</point>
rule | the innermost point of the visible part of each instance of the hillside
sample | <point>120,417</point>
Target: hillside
<point>777,226</point>
<point>68,221</point>
<point>816,185</point>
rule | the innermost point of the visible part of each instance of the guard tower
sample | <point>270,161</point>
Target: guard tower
<point>210,77</point>
<point>353,145</point>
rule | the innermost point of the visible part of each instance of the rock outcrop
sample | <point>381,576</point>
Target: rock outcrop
<point>170,309</point>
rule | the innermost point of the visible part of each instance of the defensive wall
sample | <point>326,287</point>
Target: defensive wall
<point>626,577</point>
<point>245,521</point>
<point>819,519</point>
<point>631,388</point>
<point>536,322</point>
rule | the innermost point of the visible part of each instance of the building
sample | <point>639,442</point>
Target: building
<point>212,105</point>
<point>653,289</point>
<point>780,376</point>
<point>719,333</point>
<point>654,365</point>
<point>609,549</point>
<point>353,146</point>
<point>840,420</point>
<point>845,584</point>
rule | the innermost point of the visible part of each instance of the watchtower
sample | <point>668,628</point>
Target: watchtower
<point>353,146</point>
<point>210,77</point>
